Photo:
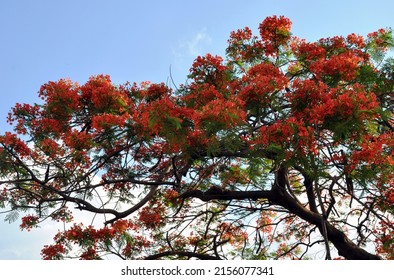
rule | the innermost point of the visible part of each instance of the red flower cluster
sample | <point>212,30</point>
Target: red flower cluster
<point>28,222</point>
<point>375,151</point>
<point>53,252</point>
<point>152,216</point>
<point>90,239</point>
<point>13,142</point>
<point>207,68</point>
<point>379,39</point>
<point>243,46</point>
<point>275,32</point>
<point>232,234</point>
<point>385,241</point>
<point>260,85</point>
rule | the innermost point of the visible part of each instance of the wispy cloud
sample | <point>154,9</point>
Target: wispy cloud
<point>195,45</point>
<point>186,50</point>
<point>192,46</point>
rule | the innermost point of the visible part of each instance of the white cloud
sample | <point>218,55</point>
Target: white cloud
<point>193,46</point>
<point>187,50</point>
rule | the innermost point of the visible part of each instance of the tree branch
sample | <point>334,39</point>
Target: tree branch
<point>279,196</point>
<point>342,243</point>
<point>215,193</point>
<point>120,215</point>
<point>182,254</point>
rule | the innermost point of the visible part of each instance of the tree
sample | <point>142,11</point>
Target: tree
<point>282,150</point>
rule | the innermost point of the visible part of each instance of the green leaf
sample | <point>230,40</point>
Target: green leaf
<point>12,216</point>
<point>372,127</point>
<point>174,122</point>
<point>213,148</point>
<point>385,114</point>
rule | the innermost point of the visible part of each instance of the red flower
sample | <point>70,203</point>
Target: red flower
<point>274,32</point>
<point>28,222</point>
<point>53,252</point>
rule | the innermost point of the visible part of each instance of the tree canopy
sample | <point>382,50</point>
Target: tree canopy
<point>282,150</point>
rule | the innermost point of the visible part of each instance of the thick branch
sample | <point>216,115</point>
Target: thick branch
<point>310,194</point>
<point>131,210</point>
<point>182,254</point>
<point>219,194</point>
<point>343,244</point>
<point>279,196</point>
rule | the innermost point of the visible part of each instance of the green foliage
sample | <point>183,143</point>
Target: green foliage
<point>12,216</point>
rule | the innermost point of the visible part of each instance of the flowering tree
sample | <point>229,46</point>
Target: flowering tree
<point>285,149</point>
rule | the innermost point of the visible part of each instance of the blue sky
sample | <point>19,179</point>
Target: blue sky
<point>135,41</point>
